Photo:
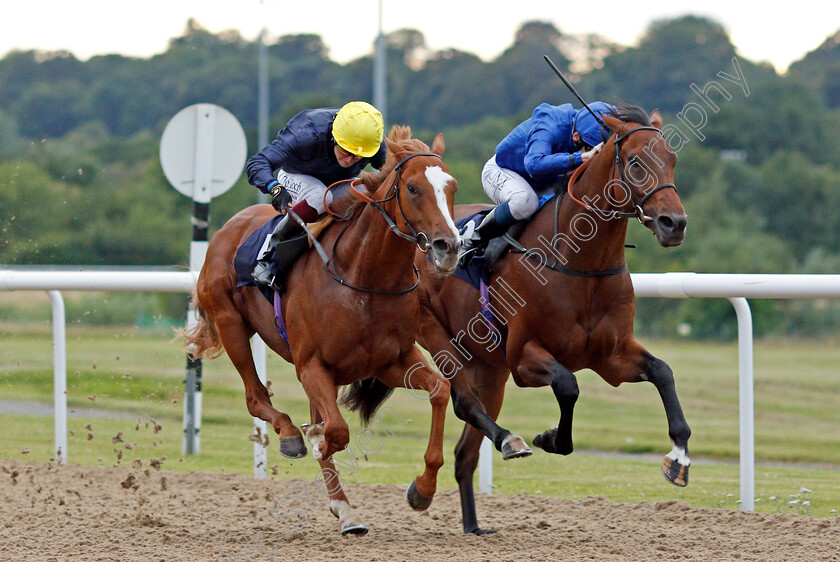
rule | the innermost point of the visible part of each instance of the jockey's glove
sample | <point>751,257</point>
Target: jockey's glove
<point>279,197</point>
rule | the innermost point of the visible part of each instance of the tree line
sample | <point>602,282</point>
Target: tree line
<point>758,171</point>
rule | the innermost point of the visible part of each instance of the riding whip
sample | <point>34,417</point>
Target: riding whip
<point>572,88</point>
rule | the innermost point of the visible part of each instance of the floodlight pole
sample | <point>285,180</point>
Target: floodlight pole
<point>380,96</point>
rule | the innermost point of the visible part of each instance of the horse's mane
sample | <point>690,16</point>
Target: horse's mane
<point>399,142</point>
<point>631,114</point>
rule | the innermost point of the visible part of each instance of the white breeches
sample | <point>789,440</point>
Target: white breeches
<point>501,185</point>
<point>302,187</point>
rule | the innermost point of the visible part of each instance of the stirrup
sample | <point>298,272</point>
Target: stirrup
<point>276,285</point>
<point>467,255</point>
<point>264,277</point>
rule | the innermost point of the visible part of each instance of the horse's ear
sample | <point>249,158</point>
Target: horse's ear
<point>656,119</point>
<point>438,146</point>
<point>617,125</point>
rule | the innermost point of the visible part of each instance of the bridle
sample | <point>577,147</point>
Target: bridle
<point>619,171</point>
<point>421,239</point>
<point>415,236</point>
<point>638,212</point>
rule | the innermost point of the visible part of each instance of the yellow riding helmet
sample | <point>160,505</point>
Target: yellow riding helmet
<point>358,128</point>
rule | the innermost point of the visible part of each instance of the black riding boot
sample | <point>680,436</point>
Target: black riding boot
<point>476,243</point>
<point>287,235</point>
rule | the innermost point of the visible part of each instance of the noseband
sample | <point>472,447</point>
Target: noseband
<point>419,238</point>
<point>618,169</point>
<point>414,237</point>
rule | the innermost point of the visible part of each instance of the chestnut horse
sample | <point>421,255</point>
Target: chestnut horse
<point>562,300</point>
<point>350,319</point>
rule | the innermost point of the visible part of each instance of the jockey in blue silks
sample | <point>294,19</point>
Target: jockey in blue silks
<point>539,152</point>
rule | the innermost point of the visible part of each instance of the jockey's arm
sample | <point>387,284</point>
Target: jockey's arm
<point>260,167</point>
<point>541,163</point>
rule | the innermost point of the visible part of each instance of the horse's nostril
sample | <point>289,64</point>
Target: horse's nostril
<point>665,222</point>
<point>441,246</point>
<point>672,223</point>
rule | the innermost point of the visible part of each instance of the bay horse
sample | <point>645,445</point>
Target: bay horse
<point>350,319</point>
<point>561,300</point>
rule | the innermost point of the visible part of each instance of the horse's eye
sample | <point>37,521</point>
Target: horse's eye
<point>412,189</point>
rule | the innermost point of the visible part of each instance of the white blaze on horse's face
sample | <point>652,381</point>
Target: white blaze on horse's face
<point>438,178</point>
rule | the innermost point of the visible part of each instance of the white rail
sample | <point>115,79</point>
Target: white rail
<point>734,287</point>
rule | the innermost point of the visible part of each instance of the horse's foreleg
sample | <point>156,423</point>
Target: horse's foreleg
<point>414,374</point>
<point>349,521</point>
<point>235,338</point>
<point>676,463</point>
<point>537,367</point>
<point>635,364</point>
<point>323,393</point>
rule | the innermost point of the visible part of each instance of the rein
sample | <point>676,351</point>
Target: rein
<point>556,265</point>
<point>414,237</point>
<point>618,170</point>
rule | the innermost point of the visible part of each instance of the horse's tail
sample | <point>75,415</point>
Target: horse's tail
<point>365,396</point>
<point>202,339</point>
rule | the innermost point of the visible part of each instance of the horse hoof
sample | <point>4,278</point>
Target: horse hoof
<point>674,472</point>
<point>514,447</point>
<point>547,441</point>
<point>357,529</point>
<point>293,447</point>
<point>348,520</point>
<point>479,532</point>
<point>416,500</point>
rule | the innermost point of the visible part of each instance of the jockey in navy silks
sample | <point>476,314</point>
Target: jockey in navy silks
<point>539,152</point>
<point>315,149</point>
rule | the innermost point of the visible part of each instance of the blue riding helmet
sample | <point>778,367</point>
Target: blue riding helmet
<point>585,124</point>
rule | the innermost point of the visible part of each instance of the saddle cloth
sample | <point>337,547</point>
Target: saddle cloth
<point>480,266</point>
<point>249,251</point>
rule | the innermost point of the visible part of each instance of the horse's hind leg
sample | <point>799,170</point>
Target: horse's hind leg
<point>537,367</point>
<point>492,387</point>
<point>414,373</point>
<point>466,403</point>
<point>235,336</point>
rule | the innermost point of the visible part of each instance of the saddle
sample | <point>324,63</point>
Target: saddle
<point>481,266</point>
<point>248,253</point>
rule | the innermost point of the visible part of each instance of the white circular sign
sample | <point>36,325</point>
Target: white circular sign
<point>202,151</point>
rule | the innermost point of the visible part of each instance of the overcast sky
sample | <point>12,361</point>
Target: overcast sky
<point>779,35</point>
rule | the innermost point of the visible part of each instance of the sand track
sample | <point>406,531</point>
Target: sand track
<point>99,513</point>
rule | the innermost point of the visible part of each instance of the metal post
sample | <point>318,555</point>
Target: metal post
<point>204,124</point>
<point>745,401</point>
<point>485,467</point>
<point>258,350</point>
<point>260,453</point>
<point>59,377</point>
